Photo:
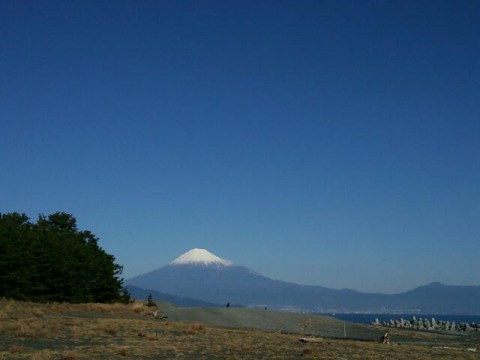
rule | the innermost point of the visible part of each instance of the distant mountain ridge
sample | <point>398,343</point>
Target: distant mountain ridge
<point>142,294</point>
<point>220,281</point>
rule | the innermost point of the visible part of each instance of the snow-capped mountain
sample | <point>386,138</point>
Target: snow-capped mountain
<point>200,257</point>
<point>202,275</point>
<point>199,274</point>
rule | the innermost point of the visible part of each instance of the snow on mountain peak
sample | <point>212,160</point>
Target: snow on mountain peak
<point>200,257</point>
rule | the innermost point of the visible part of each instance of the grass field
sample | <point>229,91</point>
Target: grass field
<point>117,331</point>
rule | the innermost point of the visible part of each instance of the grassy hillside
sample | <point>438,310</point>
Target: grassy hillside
<point>272,321</point>
<point>100,331</point>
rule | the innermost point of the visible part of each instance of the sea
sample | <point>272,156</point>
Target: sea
<point>370,318</point>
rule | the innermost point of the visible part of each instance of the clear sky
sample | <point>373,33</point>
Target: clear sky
<point>334,143</point>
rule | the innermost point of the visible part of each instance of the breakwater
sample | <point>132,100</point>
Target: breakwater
<point>429,324</point>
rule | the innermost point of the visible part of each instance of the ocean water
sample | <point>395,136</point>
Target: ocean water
<point>369,318</point>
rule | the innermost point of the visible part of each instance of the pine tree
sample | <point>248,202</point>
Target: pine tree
<point>52,260</point>
<point>150,301</point>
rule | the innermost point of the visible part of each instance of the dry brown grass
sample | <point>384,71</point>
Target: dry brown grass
<point>38,313</point>
<point>109,327</point>
<point>3,315</point>
<point>17,349</point>
<point>43,355</point>
<point>70,355</point>
<point>24,329</point>
<point>195,328</point>
<point>123,351</point>
<point>140,308</point>
<point>93,331</point>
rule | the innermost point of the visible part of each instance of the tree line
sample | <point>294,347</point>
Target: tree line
<point>51,260</point>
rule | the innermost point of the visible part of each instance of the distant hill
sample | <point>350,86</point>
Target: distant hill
<point>142,294</point>
<point>201,275</point>
<point>439,298</point>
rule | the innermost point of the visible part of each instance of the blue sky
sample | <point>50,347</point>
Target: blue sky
<point>321,142</point>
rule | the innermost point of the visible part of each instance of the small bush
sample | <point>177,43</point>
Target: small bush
<point>17,349</point>
<point>111,328</point>
<point>21,330</point>
<point>194,328</point>
<point>98,307</point>
<point>3,315</point>
<point>307,352</point>
<point>122,351</point>
<point>138,308</point>
<point>42,355</point>
<point>38,313</point>
<point>70,356</point>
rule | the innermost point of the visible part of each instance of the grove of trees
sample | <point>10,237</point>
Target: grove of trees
<point>51,260</point>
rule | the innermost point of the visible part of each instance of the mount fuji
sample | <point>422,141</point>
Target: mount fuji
<point>199,274</point>
<point>201,257</point>
<point>202,275</point>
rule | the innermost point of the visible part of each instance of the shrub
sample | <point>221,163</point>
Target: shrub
<point>122,351</point>
<point>17,349</point>
<point>138,307</point>
<point>194,328</point>
<point>110,328</point>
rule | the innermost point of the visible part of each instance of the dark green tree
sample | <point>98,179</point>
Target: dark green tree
<point>58,222</point>
<point>150,301</point>
<point>52,261</point>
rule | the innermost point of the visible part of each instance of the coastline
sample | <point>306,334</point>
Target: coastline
<point>370,318</point>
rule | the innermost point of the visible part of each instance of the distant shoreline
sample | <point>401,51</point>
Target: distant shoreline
<point>369,318</point>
